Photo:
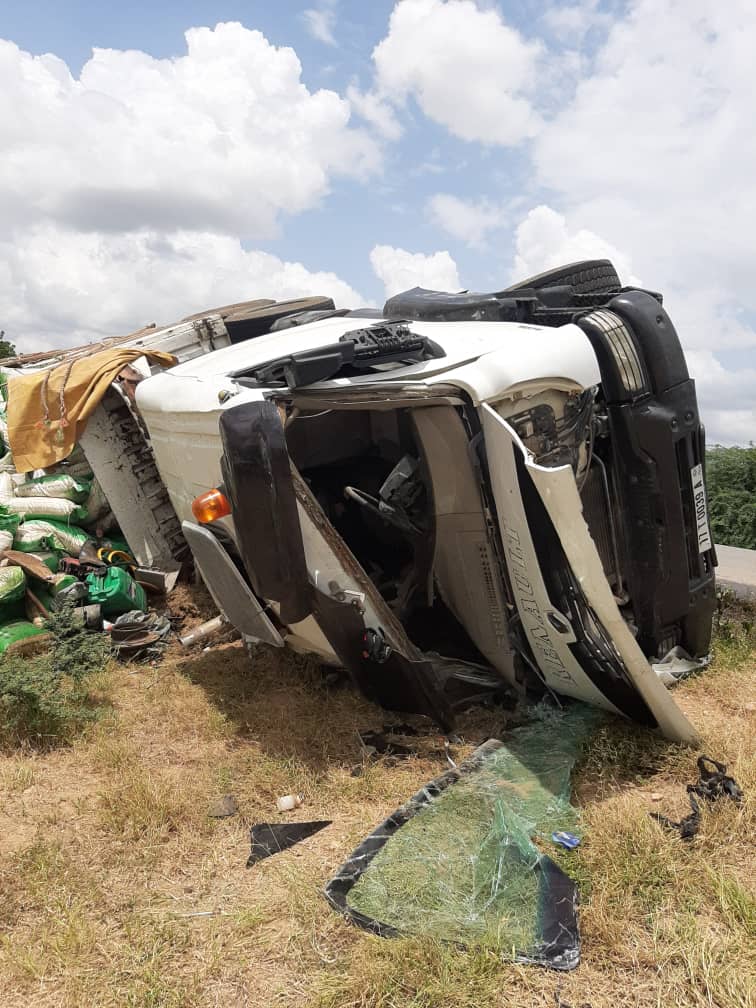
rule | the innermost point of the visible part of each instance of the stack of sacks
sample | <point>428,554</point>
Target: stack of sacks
<point>51,514</point>
<point>54,513</point>
<point>14,626</point>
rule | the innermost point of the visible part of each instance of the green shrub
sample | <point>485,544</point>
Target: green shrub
<point>731,492</point>
<point>49,698</point>
<point>76,654</point>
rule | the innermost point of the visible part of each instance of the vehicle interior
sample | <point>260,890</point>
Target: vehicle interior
<point>400,488</point>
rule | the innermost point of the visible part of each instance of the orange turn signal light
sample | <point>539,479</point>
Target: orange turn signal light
<point>210,506</point>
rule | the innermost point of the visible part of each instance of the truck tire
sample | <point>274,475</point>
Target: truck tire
<point>122,459</point>
<point>584,277</point>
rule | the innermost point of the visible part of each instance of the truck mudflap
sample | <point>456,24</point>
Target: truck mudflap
<point>582,645</point>
<point>257,476</point>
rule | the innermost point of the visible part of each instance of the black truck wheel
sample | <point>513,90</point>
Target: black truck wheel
<point>584,277</point>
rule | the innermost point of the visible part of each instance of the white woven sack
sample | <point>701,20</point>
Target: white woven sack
<point>51,507</point>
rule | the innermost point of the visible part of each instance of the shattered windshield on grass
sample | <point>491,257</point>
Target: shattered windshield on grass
<point>458,861</point>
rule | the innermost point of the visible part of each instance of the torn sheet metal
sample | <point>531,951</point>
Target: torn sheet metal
<point>677,664</point>
<point>457,861</point>
<point>592,656</point>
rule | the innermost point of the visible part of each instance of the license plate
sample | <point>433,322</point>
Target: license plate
<point>699,506</point>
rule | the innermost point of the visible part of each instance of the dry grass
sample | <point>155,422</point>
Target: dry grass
<point>107,855</point>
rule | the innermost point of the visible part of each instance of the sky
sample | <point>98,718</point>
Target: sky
<point>159,159</point>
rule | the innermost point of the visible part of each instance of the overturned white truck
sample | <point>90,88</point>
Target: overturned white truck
<point>456,493</point>
<point>450,496</point>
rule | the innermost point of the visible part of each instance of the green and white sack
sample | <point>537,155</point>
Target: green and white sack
<point>46,507</point>
<point>96,503</point>
<point>66,538</point>
<point>29,539</point>
<point>60,485</point>
<point>9,522</point>
<point>12,585</point>
<point>7,488</point>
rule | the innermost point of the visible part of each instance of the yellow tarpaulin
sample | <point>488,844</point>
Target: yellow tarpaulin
<point>48,410</point>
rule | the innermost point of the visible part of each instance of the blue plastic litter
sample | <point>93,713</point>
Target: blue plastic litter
<point>567,840</point>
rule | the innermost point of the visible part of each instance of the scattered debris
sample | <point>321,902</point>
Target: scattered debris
<point>223,808</point>
<point>687,827</point>
<point>289,802</point>
<point>567,840</point>
<point>677,664</point>
<point>156,581</point>
<point>116,591</point>
<point>138,636</point>
<point>711,785</point>
<point>31,565</point>
<point>390,743</point>
<point>270,838</point>
<point>204,630</point>
<point>383,743</point>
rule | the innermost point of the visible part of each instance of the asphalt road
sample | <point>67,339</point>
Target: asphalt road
<point>737,570</point>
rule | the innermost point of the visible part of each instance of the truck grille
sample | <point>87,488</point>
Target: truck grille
<point>596,510</point>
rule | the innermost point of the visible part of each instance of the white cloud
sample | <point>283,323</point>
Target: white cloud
<point>725,398</point>
<point>400,270</point>
<point>224,138</point>
<point>467,220</point>
<point>573,21</point>
<point>467,69</point>
<point>59,287</point>
<point>320,21</point>
<point>125,194</point>
<point>675,180</point>
<point>375,110</point>
<point>728,426</point>
<point>653,152</point>
<point>543,241</point>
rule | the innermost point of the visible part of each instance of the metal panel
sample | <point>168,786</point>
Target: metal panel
<point>229,589</point>
<point>548,635</point>
<point>187,340</point>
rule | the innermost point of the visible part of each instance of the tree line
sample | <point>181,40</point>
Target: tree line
<point>731,492</point>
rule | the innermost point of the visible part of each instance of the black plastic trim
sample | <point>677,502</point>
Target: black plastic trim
<point>420,304</point>
<point>355,352</point>
<point>656,336</point>
<point>671,584</point>
<point>656,438</point>
<point>257,474</point>
<point>396,682</point>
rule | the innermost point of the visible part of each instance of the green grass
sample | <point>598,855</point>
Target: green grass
<point>107,856</point>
